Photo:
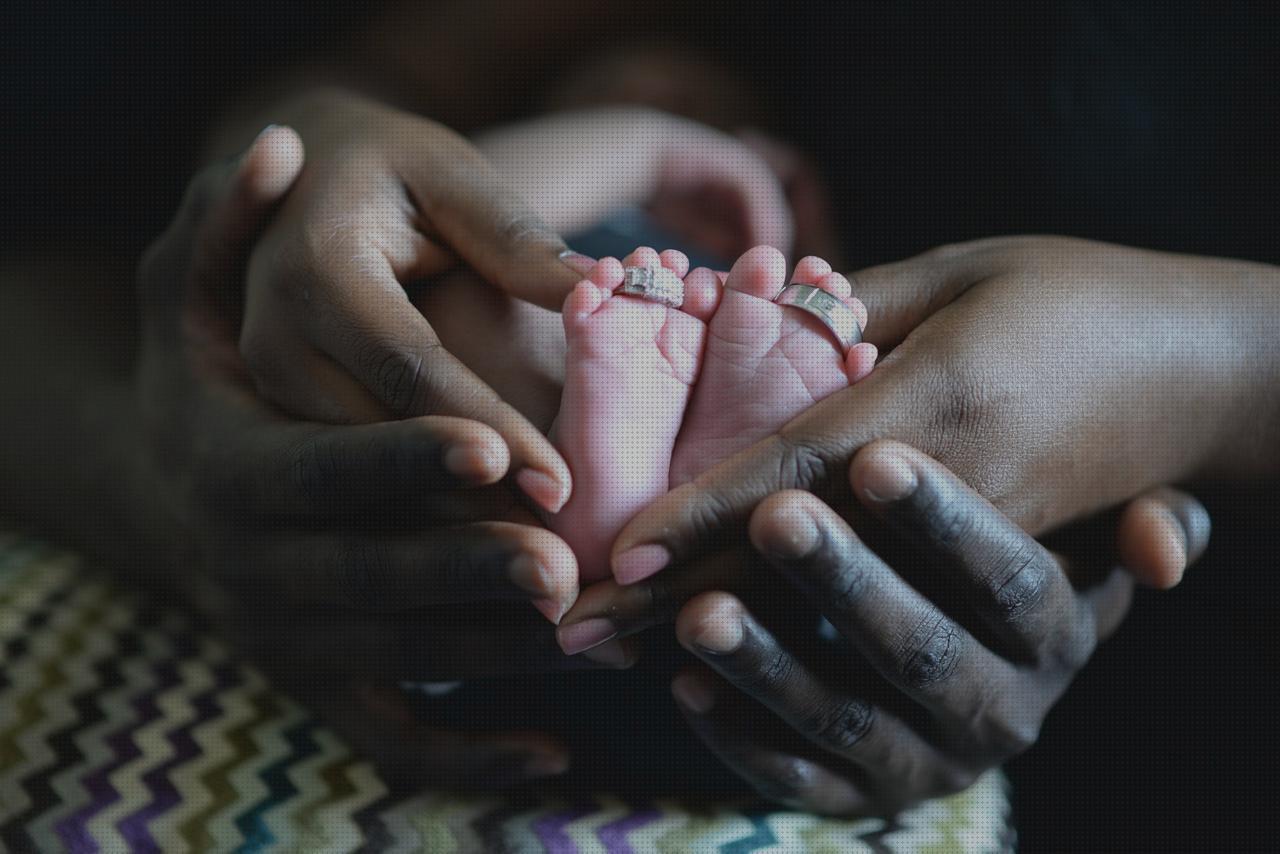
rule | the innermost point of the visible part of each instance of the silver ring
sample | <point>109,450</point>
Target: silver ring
<point>654,284</point>
<point>833,313</point>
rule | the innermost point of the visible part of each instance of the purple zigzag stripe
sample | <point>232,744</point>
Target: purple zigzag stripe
<point>551,829</point>
<point>13,833</point>
<point>614,834</point>
<point>74,829</point>
<point>165,795</point>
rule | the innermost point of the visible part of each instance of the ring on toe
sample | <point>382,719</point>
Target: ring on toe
<point>656,285</point>
<point>833,313</point>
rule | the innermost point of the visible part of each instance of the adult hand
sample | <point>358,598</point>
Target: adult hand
<point>1059,377</point>
<point>921,692</point>
<point>388,198</point>
<point>338,554</point>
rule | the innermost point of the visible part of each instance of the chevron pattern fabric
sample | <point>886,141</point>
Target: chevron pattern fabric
<point>124,728</point>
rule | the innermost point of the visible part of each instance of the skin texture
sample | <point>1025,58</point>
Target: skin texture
<point>361,534</point>
<point>629,369</point>
<point>632,367</point>
<point>764,363</point>
<point>982,380</point>
<point>933,696</point>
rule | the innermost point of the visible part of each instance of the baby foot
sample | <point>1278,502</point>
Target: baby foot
<point>764,363</point>
<point>629,369</point>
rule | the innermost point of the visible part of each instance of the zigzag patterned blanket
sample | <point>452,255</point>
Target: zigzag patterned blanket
<point>124,728</point>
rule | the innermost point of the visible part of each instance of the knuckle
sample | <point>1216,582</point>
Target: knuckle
<point>1017,579</point>
<point>770,672</point>
<point>801,464</point>
<point>950,519</point>
<point>397,378</point>
<point>931,653</point>
<point>843,726</point>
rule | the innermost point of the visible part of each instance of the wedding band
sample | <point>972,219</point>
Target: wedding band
<point>656,285</point>
<point>833,313</point>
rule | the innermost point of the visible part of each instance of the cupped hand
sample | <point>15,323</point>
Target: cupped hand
<point>945,660</point>
<point>1058,377</point>
<point>387,199</point>
<point>339,555</point>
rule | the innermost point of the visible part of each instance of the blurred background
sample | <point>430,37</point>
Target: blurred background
<point>1148,125</point>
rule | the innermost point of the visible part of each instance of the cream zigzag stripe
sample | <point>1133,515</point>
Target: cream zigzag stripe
<point>406,838</point>
<point>334,819</point>
<point>326,779</point>
<point>276,714</point>
<point>186,777</point>
<point>100,646</point>
<point>225,739</point>
<point>707,832</point>
<point>442,822</point>
<point>647,838</point>
<point>27,590</point>
<point>583,831</point>
<point>43,707</point>
<point>174,705</point>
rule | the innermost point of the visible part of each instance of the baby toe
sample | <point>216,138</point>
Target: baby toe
<point>810,269</point>
<point>836,285</point>
<point>702,291</point>
<point>607,274</point>
<point>760,272</point>
<point>645,256</point>
<point>675,261</point>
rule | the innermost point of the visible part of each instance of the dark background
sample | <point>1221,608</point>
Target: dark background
<point>1149,125</point>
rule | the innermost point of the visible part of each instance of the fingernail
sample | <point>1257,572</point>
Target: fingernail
<point>545,490</point>
<point>610,653</point>
<point>722,633</point>
<point>798,538</point>
<point>551,609</point>
<point>466,460</point>
<point>888,479</point>
<point>577,262</point>
<point>692,692</point>
<point>583,636</point>
<point>527,573</point>
<point>546,764</point>
<point>639,563</point>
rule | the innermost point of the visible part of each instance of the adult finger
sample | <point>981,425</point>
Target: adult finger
<point>476,562</point>
<point>392,350</point>
<point>736,736</point>
<point>608,610</point>
<point>717,628</point>
<point>1160,534</point>
<point>312,472</point>
<point>1009,580</point>
<point>920,650</point>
